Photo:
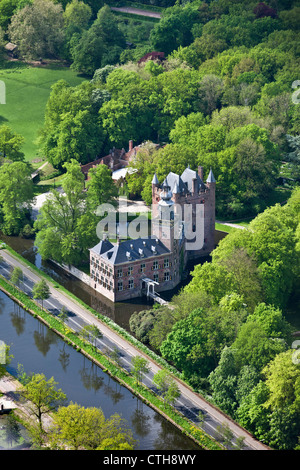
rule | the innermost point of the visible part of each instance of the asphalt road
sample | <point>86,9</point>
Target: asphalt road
<point>189,403</point>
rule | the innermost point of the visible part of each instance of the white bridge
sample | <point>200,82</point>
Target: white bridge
<point>148,288</point>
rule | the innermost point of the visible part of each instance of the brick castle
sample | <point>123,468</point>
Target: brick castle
<point>131,268</point>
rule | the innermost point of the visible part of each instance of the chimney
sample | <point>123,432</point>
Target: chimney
<point>130,145</point>
<point>200,172</point>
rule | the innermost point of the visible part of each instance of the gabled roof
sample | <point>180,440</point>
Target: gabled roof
<point>133,250</point>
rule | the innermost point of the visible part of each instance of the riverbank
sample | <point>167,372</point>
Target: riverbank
<point>9,387</point>
<point>110,367</point>
<point>130,345</point>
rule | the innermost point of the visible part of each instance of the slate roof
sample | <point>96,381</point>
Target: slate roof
<point>184,183</point>
<point>188,176</point>
<point>102,247</point>
<point>130,250</point>
<point>174,179</point>
<point>211,178</point>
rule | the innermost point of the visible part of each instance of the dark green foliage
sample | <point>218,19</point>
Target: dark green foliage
<point>100,45</point>
<point>141,323</point>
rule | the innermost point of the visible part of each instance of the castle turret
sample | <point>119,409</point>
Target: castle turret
<point>155,186</point>
<point>210,212</point>
<point>210,178</point>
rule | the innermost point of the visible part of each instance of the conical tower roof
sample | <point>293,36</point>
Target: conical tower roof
<point>211,178</point>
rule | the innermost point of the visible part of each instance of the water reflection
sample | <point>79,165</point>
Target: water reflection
<point>64,357</point>
<point>17,319</point>
<point>44,338</point>
<point>40,350</point>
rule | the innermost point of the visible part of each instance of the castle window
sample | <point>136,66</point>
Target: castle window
<point>143,267</point>
<point>155,277</point>
<point>130,284</point>
<point>155,264</point>
<point>120,285</point>
<point>166,262</point>
<point>120,272</point>
<point>130,269</point>
<point>166,276</point>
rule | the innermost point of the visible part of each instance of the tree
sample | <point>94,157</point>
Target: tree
<point>16,276</point>
<point>128,116</point>
<point>250,286</point>
<point>41,291</point>
<point>283,382</point>
<point>141,323</point>
<point>210,92</point>
<point>100,186</point>
<point>38,29</point>
<point>66,227</point>
<point>12,429</point>
<point>195,342</point>
<point>7,9</point>
<point>174,28</point>
<point>252,413</point>
<point>272,320</point>
<point>75,427</point>
<point>167,386</point>
<point>100,45</point>
<point>91,333</point>
<point>231,383</point>
<point>140,367</point>
<point>271,241</point>
<point>71,129</point>
<point>41,397</point>
<point>254,347</point>
<point>77,15</point>
<point>10,145</point>
<point>16,196</point>
<point>223,381</point>
<point>212,278</point>
<point>63,316</point>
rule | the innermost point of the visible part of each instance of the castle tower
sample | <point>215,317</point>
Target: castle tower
<point>163,221</point>
<point>210,211</point>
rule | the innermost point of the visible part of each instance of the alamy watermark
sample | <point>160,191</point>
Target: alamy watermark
<point>2,92</point>
<point>295,99</point>
<point>176,221</point>
<point>296,354</point>
<point>3,349</point>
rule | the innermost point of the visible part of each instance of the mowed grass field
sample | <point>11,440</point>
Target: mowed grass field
<point>27,91</point>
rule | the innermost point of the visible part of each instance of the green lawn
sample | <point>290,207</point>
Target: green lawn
<point>27,91</point>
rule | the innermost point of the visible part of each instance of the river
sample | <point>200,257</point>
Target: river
<point>39,350</point>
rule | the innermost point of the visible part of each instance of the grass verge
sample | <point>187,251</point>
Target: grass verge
<point>110,367</point>
<point>27,91</point>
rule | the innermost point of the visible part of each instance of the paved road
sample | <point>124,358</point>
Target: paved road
<point>189,402</point>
